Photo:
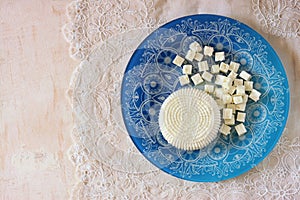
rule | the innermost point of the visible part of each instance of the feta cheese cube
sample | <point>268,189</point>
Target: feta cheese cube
<point>241,117</point>
<point>219,92</point>
<point>184,80</point>
<point>209,89</point>
<point>215,69</point>
<point>248,85</point>
<point>245,98</point>
<point>227,99</point>
<point>240,90</point>
<point>229,121</point>
<point>227,80</point>
<point>187,69</point>
<point>208,51</point>
<point>231,106</point>
<point>233,66</point>
<point>224,67</point>
<point>220,103</point>
<point>202,66</point>
<point>225,129</point>
<point>238,82</point>
<point>207,76</point>
<point>227,83</point>
<point>254,95</point>
<point>190,55</point>
<point>240,107</point>
<point>219,79</point>
<point>237,99</point>
<point>197,79</point>
<point>226,86</point>
<point>227,113</point>
<point>178,60</point>
<point>244,75</point>
<point>195,46</point>
<point>219,56</point>
<point>198,57</point>
<point>232,75</point>
<point>240,129</point>
<point>231,90</point>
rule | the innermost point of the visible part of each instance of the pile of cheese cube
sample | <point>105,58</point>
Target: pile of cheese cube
<point>230,87</point>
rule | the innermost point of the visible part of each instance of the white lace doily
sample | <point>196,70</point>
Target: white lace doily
<point>93,21</point>
<point>278,17</point>
<point>108,166</point>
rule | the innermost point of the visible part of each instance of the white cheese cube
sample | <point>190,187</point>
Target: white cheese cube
<point>215,69</point>
<point>233,66</point>
<point>227,83</point>
<point>219,79</point>
<point>229,121</point>
<point>232,75</point>
<point>244,75</point>
<point>219,92</point>
<point>224,67</point>
<point>227,99</point>
<point>219,56</point>
<point>184,80</point>
<point>207,76</point>
<point>227,80</point>
<point>209,89</point>
<point>187,69</point>
<point>231,90</point>
<point>245,98</point>
<point>208,51</point>
<point>238,82</point>
<point>198,57</point>
<point>240,129</point>
<point>240,107</point>
<point>225,129</point>
<point>241,117</point>
<point>237,99</point>
<point>190,55</point>
<point>227,113</point>
<point>197,79</point>
<point>195,46</point>
<point>254,95</point>
<point>226,86</point>
<point>220,104</point>
<point>240,90</point>
<point>178,60</point>
<point>202,66</point>
<point>248,85</point>
<point>231,106</point>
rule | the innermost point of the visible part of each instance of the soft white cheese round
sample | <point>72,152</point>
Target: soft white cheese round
<point>189,119</point>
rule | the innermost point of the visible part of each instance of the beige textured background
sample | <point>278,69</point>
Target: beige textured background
<point>35,117</point>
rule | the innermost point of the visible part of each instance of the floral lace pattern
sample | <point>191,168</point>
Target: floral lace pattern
<point>108,166</point>
<point>96,20</point>
<point>278,17</point>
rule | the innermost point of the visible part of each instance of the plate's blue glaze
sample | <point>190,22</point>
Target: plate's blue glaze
<point>150,77</point>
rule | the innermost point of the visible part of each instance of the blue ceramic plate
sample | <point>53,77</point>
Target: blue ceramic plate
<point>150,78</point>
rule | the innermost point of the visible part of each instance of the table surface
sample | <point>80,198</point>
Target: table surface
<point>35,115</point>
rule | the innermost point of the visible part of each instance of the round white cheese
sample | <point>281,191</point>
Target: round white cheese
<point>189,119</point>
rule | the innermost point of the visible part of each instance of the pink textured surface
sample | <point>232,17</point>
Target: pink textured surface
<point>35,116</point>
